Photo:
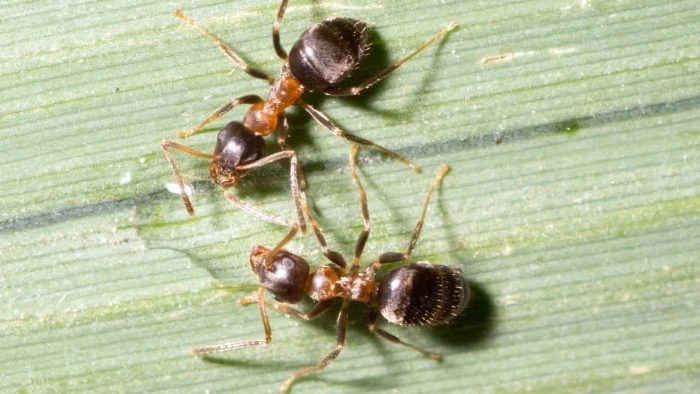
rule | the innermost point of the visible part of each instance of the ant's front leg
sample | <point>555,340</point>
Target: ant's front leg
<point>241,344</point>
<point>315,310</point>
<point>282,133</point>
<point>167,145</point>
<point>297,195</point>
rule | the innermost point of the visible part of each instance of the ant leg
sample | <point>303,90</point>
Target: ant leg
<point>393,257</point>
<point>393,338</point>
<point>282,133</point>
<point>250,99</point>
<point>362,239</point>
<point>331,255</point>
<point>237,345</point>
<point>276,32</point>
<point>255,211</point>
<point>355,90</point>
<point>316,310</point>
<point>321,118</point>
<point>255,73</point>
<point>165,144</point>
<point>260,299</point>
<point>342,324</point>
<point>297,195</point>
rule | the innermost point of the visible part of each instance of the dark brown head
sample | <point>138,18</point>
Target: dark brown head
<point>422,294</point>
<point>327,53</point>
<point>235,146</point>
<point>284,277</point>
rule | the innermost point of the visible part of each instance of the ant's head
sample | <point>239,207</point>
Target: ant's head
<point>236,146</point>
<point>328,52</point>
<point>284,274</point>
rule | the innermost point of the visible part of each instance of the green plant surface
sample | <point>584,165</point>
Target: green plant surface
<point>573,203</point>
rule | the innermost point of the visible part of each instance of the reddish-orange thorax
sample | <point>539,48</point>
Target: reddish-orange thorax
<point>262,118</point>
<point>327,282</point>
<point>323,283</point>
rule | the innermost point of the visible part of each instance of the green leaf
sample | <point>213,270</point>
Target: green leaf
<point>573,133</point>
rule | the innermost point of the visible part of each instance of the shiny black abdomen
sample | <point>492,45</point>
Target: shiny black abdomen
<point>422,294</point>
<point>327,53</point>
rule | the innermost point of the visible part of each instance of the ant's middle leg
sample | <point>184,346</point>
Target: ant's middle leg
<point>321,118</point>
<point>249,99</point>
<point>237,60</point>
<point>342,324</point>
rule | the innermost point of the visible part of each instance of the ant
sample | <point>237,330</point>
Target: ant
<point>419,294</point>
<point>321,59</point>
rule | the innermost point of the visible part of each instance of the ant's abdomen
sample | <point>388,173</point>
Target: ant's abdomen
<point>422,294</point>
<point>328,52</point>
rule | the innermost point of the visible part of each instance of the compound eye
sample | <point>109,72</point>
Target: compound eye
<point>237,145</point>
<point>328,52</point>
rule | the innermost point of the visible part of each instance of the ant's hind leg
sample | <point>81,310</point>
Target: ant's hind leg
<point>355,90</point>
<point>393,338</point>
<point>276,31</point>
<point>250,99</point>
<point>393,257</point>
<point>230,53</point>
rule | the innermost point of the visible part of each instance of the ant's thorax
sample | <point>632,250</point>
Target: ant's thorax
<point>262,118</point>
<point>327,282</point>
